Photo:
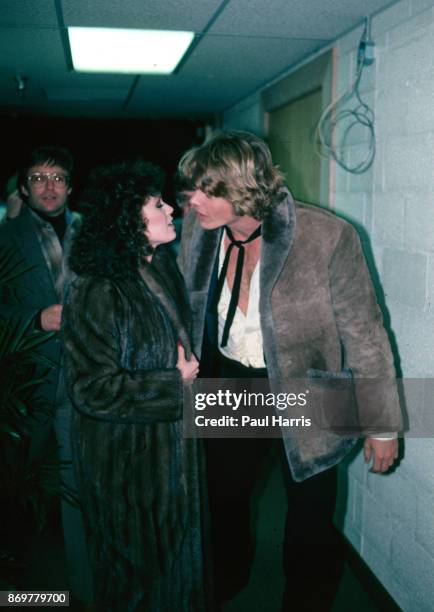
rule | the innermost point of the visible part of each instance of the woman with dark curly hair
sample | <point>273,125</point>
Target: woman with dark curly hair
<point>127,356</point>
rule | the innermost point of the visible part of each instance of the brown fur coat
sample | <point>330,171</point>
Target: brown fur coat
<point>140,480</point>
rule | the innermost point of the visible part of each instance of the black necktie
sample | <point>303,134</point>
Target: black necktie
<point>237,279</point>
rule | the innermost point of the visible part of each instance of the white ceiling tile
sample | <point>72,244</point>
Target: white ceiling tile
<point>237,57</point>
<point>27,49</point>
<point>153,14</point>
<point>249,44</point>
<point>28,12</point>
<point>85,94</point>
<point>224,80</point>
<point>293,19</point>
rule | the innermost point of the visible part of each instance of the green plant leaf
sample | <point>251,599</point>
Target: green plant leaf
<point>11,267</point>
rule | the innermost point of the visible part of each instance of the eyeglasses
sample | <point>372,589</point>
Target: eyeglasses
<point>42,178</point>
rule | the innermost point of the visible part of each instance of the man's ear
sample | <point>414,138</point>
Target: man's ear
<point>69,191</point>
<point>22,189</point>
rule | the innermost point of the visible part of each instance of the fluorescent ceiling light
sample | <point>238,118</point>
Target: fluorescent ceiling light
<point>128,51</point>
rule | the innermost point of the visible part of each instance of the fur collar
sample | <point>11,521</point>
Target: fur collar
<point>278,230</point>
<point>277,239</point>
<point>157,284</point>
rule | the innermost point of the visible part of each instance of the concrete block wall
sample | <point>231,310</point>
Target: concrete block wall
<point>390,519</point>
<point>393,527</point>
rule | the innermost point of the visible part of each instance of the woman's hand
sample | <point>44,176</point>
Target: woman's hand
<point>189,369</point>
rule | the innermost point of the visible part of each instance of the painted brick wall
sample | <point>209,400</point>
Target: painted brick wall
<point>390,519</point>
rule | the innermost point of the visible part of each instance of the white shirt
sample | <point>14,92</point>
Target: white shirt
<point>245,343</point>
<point>245,336</point>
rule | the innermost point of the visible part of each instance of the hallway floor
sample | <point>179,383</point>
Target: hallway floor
<point>46,566</point>
<point>265,588</point>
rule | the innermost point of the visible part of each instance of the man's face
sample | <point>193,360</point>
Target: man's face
<point>211,211</point>
<point>47,189</point>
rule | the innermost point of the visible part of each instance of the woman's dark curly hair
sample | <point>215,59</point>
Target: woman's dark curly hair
<point>111,241</point>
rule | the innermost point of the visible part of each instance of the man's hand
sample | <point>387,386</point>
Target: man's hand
<point>383,452</point>
<point>51,317</point>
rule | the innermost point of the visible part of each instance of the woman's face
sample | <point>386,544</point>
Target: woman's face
<point>157,216</point>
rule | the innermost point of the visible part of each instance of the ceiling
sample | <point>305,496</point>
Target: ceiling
<point>240,45</point>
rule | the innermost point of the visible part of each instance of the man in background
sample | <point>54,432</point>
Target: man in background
<point>39,237</point>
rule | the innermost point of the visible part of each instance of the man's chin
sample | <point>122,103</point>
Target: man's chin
<point>50,211</point>
<point>207,224</point>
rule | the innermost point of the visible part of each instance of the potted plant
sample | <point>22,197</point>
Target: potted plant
<point>27,486</point>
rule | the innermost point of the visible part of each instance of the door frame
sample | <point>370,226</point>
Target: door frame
<point>318,73</point>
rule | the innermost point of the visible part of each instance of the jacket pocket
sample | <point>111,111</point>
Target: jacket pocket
<point>333,401</point>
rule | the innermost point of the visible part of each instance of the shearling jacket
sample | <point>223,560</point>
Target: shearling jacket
<point>319,316</point>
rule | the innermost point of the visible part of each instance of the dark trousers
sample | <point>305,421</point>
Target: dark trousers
<point>312,557</point>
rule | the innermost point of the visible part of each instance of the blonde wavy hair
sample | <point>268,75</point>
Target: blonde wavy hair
<point>236,166</point>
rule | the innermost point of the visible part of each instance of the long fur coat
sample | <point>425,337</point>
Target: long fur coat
<point>140,480</point>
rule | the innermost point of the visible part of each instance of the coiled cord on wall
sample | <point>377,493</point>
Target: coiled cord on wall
<point>342,110</point>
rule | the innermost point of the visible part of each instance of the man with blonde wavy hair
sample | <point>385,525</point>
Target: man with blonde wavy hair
<point>280,290</point>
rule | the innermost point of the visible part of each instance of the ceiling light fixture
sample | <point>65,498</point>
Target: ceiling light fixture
<point>127,51</point>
